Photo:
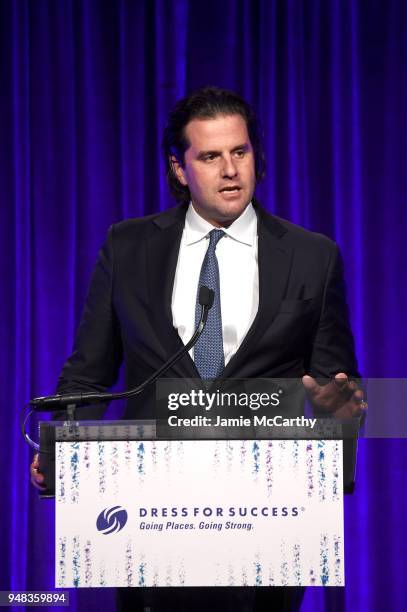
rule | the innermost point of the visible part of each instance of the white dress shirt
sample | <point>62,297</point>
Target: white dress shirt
<point>238,276</point>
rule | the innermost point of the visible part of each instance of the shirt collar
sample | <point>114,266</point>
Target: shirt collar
<point>243,229</point>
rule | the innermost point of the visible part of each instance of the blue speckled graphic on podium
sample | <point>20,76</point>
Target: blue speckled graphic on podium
<point>196,513</point>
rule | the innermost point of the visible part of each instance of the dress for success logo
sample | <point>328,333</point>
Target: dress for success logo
<point>111,520</point>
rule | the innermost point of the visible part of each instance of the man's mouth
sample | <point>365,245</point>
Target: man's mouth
<point>230,189</point>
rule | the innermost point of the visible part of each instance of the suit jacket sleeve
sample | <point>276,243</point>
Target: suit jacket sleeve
<point>333,349</point>
<point>97,353</point>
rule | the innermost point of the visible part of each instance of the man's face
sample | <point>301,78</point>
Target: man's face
<point>219,168</point>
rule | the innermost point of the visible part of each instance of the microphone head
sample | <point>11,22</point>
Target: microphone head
<point>206,296</point>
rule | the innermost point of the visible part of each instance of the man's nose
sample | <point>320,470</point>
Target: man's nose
<point>229,169</point>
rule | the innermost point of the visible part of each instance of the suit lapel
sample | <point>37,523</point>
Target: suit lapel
<point>162,256</point>
<point>274,261</point>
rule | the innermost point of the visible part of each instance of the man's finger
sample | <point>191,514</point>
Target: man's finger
<point>341,381</point>
<point>37,485</point>
<point>310,384</point>
<point>362,405</point>
<point>37,479</point>
<point>35,464</point>
<point>37,475</point>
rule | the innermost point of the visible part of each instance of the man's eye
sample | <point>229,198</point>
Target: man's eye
<point>210,157</point>
<point>240,153</point>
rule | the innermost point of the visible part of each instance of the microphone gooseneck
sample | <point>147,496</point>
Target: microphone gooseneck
<point>50,403</point>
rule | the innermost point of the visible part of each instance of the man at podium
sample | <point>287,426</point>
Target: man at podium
<point>279,308</point>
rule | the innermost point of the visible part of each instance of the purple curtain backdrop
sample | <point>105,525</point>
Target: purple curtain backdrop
<point>84,90</point>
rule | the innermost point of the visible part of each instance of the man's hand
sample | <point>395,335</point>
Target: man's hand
<point>37,478</point>
<point>341,398</point>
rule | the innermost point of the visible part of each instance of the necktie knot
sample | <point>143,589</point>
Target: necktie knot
<point>214,236</point>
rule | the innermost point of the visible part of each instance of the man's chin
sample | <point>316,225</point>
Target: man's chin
<point>222,212</point>
<point>230,211</point>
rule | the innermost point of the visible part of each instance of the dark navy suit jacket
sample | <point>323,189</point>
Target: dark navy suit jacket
<point>302,324</point>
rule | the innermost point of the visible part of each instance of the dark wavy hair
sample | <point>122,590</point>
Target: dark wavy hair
<point>205,103</point>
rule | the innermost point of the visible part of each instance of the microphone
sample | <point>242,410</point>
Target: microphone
<point>51,403</point>
<point>206,297</point>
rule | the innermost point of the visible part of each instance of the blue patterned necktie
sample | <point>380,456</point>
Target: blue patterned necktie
<point>208,352</point>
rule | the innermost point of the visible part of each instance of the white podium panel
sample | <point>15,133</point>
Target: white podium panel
<point>199,513</point>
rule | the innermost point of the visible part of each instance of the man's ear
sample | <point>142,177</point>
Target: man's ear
<point>178,170</point>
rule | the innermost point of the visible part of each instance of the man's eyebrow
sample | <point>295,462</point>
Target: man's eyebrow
<point>244,146</point>
<point>207,152</point>
<point>204,153</point>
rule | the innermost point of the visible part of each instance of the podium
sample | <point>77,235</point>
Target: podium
<point>134,510</point>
